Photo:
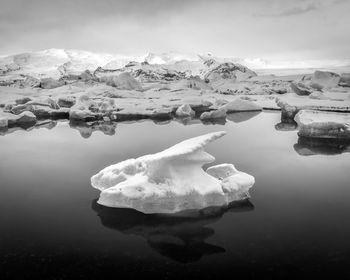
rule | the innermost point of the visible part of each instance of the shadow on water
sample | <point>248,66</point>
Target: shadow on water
<point>219,121</point>
<point>48,124</point>
<point>242,116</point>
<point>284,125</point>
<point>318,146</point>
<point>180,238</point>
<point>188,120</point>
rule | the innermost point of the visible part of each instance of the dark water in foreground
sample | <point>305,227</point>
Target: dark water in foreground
<point>296,223</point>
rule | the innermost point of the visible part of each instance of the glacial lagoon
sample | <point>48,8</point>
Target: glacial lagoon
<point>295,223</point>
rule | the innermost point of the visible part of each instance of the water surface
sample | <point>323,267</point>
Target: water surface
<point>295,224</point>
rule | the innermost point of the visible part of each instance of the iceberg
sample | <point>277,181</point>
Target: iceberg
<point>290,106</point>
<point>173,180</point>
<point>185,110</point>
<point>317,124</point>
<point>241,105</point>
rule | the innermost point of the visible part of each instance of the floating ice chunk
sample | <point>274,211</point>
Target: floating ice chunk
<point>324,79</point>
<point>345,80</point>
<point>241,105</point>
<point>290,106</point>
<point>300,88</point>
<point>319,124</point>
<point>172,180</point>
<point>185,110</point>
<point>215,114</point>
<point>122,81</point>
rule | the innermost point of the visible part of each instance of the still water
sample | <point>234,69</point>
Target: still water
<point>295,224</point>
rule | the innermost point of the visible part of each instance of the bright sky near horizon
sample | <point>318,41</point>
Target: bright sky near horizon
<point>269,29</point>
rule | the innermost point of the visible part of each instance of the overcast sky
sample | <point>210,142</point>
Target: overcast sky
<point>270,29</point>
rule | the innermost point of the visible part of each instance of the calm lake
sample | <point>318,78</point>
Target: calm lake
<point>295,224</point>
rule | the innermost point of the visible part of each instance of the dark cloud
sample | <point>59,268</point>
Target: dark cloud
<point>298,7</point>
<point>299,10</point>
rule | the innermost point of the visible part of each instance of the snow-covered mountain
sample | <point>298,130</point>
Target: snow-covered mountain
<point>169,58</point>
<point>58,62</point>
<point>55,62</point>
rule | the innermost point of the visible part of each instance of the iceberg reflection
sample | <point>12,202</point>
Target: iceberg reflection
<point>48,124</point>
<point>321,146</point>
<point>242,116</point>
<point>286,126</point>
<point>86,129</point>
<point>180,238</point>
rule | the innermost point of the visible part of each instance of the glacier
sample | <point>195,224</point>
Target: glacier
<point>173,180</point>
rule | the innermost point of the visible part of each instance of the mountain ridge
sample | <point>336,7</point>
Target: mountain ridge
<point>51,62</point>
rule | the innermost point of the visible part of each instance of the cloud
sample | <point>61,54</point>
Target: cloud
<point>223,27</point>
<point>298,7</point>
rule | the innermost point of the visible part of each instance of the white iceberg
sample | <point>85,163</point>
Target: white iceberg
<point>173,180</point>
<point>123,81</point>
<point>185,110</point>
<point>290,106</point>
<point>317,124</point>
<point>241,105</point>
<point>215,114</point>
